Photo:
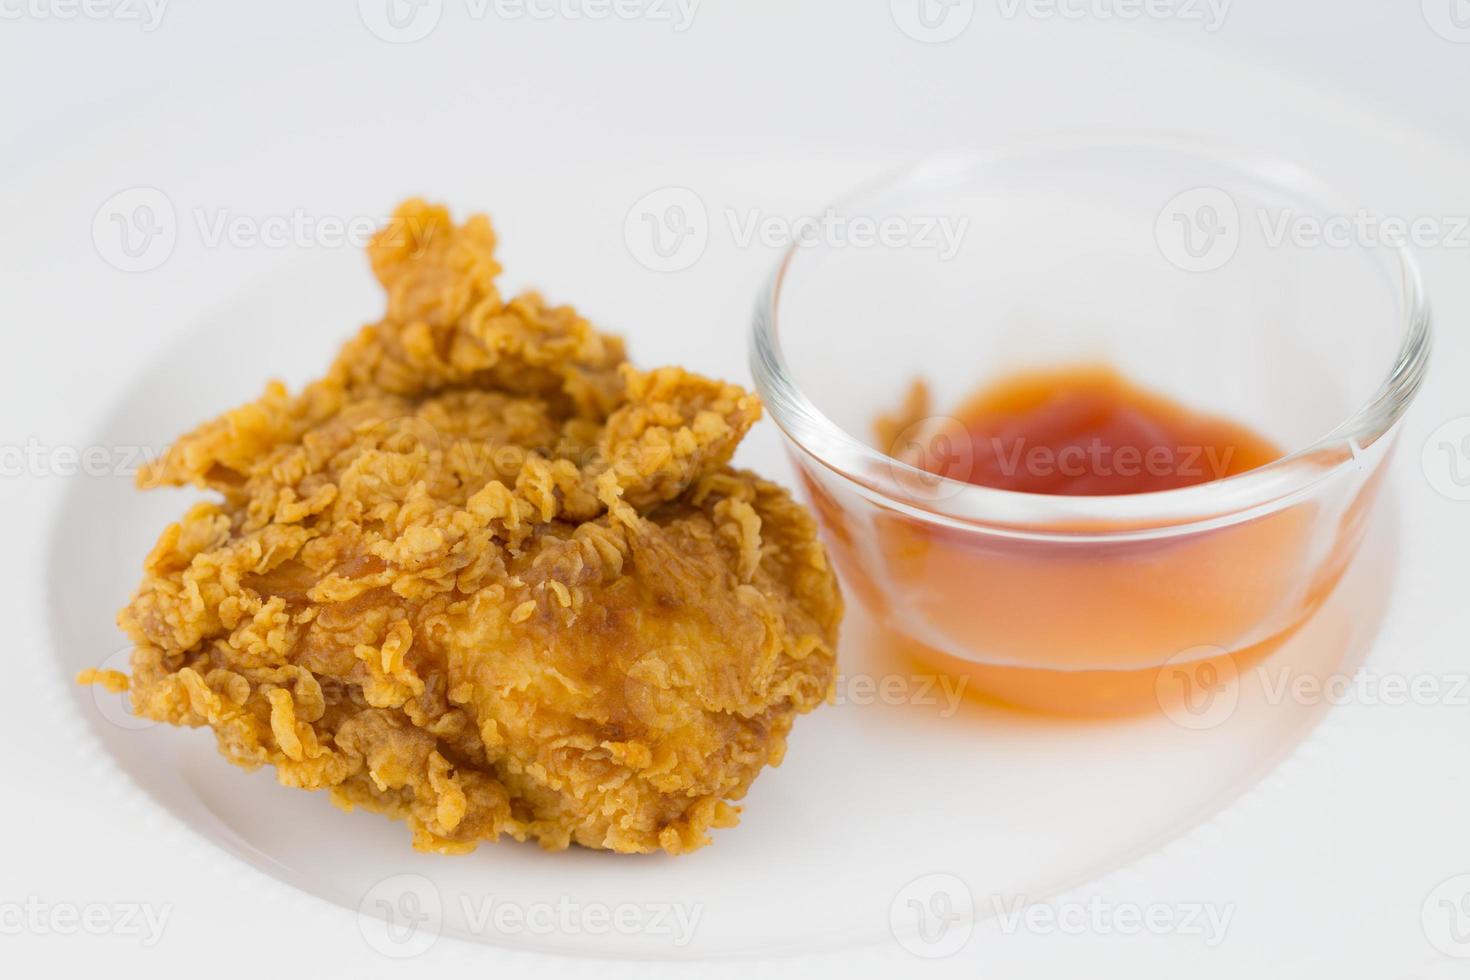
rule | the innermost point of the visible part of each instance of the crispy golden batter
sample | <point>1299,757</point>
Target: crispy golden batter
<point>487,578</point>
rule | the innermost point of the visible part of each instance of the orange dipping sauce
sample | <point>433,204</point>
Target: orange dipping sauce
<point>1086,432</point>
<point>1093,623</point>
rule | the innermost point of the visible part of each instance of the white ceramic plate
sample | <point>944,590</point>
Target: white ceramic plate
<point>876,791</point>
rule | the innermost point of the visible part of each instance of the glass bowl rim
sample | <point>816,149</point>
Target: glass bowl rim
<point>1240,497</point>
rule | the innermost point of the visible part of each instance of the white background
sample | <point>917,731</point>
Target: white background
<point>298,104</point>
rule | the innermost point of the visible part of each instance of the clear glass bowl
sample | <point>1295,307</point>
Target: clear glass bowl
<point>1195,274</point>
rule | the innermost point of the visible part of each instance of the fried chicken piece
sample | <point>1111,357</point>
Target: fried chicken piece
<point>486,577</point>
